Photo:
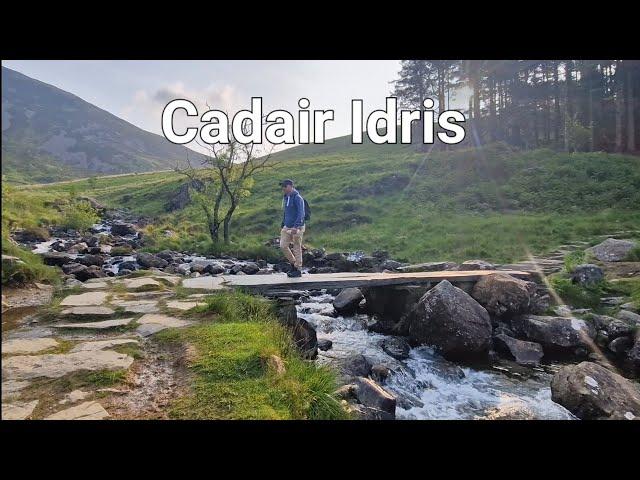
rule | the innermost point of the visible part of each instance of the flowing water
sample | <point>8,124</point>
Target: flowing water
<point>428,386</point>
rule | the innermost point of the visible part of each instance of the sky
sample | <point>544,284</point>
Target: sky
<point>137,91</point>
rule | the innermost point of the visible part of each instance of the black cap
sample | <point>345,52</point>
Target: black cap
<point>286,182</point>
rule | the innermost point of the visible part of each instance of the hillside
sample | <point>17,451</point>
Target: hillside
<point>49,134</point>
<point>489,203</point>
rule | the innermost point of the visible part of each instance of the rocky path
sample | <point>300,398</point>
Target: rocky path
<point>92,355</point>
<point>553,262</point>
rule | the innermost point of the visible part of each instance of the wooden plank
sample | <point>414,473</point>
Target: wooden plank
<point>346,280</point>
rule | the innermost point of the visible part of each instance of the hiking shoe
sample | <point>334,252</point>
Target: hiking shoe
<point>294,273</point>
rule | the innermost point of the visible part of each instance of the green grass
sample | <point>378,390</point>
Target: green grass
<point>31,270</point>
<point>232,379</point>
<point>494,203</point>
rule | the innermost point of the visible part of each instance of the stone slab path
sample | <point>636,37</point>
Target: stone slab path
<point>102,330</point>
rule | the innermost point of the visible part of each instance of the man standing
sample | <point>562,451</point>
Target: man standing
<point>292,226</point>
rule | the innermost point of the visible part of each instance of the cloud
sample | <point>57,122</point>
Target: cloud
<point>146,106</point>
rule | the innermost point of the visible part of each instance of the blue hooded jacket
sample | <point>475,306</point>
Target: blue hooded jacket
<point>293,206</point>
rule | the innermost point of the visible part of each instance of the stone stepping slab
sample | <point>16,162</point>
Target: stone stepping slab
<point>88,311</point>
<point>12,388</point>
<point>84,411</point>
<point>172,279</point>
<point>143,295</point>
<point>137,306</point>
<point>204,283</point>
<point>101,344</point>
<point>27,345</point>
<point>18,410</point>
<point>135,283</point>
<point>85,299</point>
<point>152,323</point>
<point>120,322</point>
<point>178,305</point>
<point>26,367</point>
<point>95,286</point>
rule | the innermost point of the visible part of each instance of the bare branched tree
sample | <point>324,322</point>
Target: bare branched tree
<point>226,175</point>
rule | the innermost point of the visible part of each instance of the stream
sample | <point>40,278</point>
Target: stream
<point>426,385</point>
<point>429,387</point>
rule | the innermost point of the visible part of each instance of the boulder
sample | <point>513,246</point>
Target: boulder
<point>348,300</point>
<point>88,260</point>
<point>390,265</point>
<point>634,353</point>
<point>149,260</point>
<point>380,372</point>
<point>476,265</point>
<point>214,269</point>
<point>502,294</point>
<point>78,248</point>
<point>428,267</point>
<point>304,335</point>
<point>56,258</point>
<point>325,344</point>
<point>391,304</point>
<point>93,241</point>
<point>555,334</point>
<point>590,392</point>
<point>121,228</point>
<point>250,268</point>
<point>587,274</point>
<point>621,345</point>
<point>524,353</point>
<point>396,347</point>
<point>354,366</point>
<point>453,322</point>
<point>380,403</point>
<point>92,271</point>
<point>612,250</point>
<point>629,317</point>
<point>611,327</point>
<point>197,267</point>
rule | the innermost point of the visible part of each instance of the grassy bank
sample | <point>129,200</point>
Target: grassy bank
<point>495,203</point>
<point>236,374</point>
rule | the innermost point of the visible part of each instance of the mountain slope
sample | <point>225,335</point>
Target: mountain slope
<point>486,203</point>
<point>49,134</point>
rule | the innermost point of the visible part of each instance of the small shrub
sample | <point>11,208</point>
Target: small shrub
<point>578,296</point>
<point>573,259</point>
<point>79,215</point>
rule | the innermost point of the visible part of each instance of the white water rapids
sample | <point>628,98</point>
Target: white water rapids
<point>428,386</point>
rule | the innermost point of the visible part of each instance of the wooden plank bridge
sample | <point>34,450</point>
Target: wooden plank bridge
<point>280,281</point>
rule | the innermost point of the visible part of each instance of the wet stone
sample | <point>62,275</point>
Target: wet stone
<point>144,282</point>
<point>102,344</point>
<point>27,345</point>
<point>95,325</point>
<point>88,311</point>
<point>84,411</point>
<point>152,323</point>
<point>85,299</point>
<point>55,366</point>
<point>137,306</point>
<point>18,410</point>
<point>177,305</point>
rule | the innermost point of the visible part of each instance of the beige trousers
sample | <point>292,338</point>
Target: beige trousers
<point>286,239</point>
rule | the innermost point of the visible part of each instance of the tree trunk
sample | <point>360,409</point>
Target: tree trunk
<point>631,125</point>
<point>492,108</point>
<point>556,103</point>
<point>618,105</point>
<point>568,119</point>
<point>227,223</point>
